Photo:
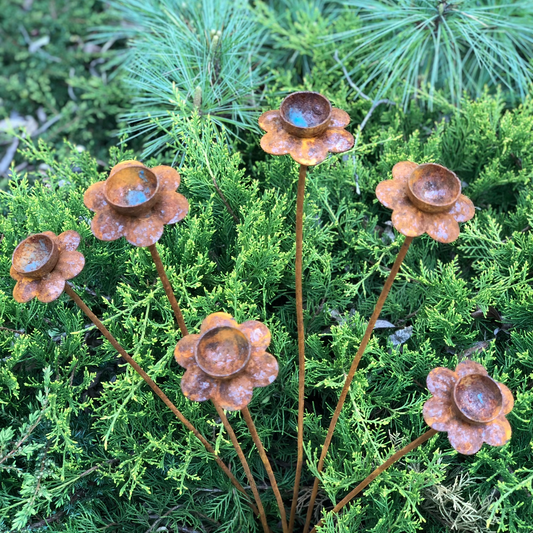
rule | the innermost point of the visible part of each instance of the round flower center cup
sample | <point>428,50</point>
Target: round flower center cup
<point>433,188</point>
<point>132,190</point>
<point>305,114</point>
<point>35,256</point>
<point>223,352</point>
<point>478,398</point>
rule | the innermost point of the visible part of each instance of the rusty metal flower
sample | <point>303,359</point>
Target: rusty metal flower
<point>425,199</point>
<point>42,262</point>
<point>469,405</point>
<point>225,361</point>
<point>135,202</point>
<point>307,127</point>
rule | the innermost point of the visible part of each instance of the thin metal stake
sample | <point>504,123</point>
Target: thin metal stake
<point>105,332</point>
<point>244,463</point>
<point>380,469</point>
<point>364,343</point>
<point>168,289</point>
<point>301,339</point>
<point>266,463</point>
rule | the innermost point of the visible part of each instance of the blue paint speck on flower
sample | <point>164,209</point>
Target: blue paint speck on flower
<point>136,197</point>
<point>297,118</point>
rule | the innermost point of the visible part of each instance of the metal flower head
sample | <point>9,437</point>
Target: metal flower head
<point>425,199</point>
<point>225,361</point>
<point>135,202</point>
<point>307,127</point>
<point>41,264</point>
<point>470,406</point>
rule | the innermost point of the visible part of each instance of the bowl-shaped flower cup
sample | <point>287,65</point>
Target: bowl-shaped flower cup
<point>425,199</point>
<point>135,202</point>
<point>470,406</point>
<point>42,263</point>
<point>226,361</point>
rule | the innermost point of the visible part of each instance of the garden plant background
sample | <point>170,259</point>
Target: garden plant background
<point>85,446</point>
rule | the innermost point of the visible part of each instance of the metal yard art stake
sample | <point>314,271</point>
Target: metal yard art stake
<point>136,202</point>
<point>41,264</point>
<point>425,199</point>
<point>306,127</point>
<point>467,404</point>
<point>224,363</point>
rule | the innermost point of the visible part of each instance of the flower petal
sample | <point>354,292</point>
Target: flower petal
<point>257,333</point>
<point>270,121</point>
<point>465,438</point>
<point>69,264</point>
<point>185,350</point>
<point>197,385</point>
<point>277,143</point>
<point>50,234</point>
<point>14,274</point>
<point>51,287</point>
<point>466,367</point>
<point>441,381</point>
<point>463,209</point>
<point>402,170</point>
<point>125,164</point>
<point>410,221</point>
<point>218,320</point>
<point>498,432</point>
<point>442,227</point>
<point>171,207</point>
<point>339,118</point>
<point>168,177</point>
<point>94,198</point>
<point>108,225</point>
<point>508,400</point>
<point>234,394</point>
<point>144,231</point>
<point>337,140</point>
<point>262,369</point>
<point>26,289</point>
<point>438,413</point>
<point>309,152</point>
<point>68,240</point>
<point>393,194</point>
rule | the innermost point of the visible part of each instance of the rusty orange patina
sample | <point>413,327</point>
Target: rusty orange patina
<point>425,199</point>
<point>307,127</point>
<point>41,264</point>
<point>135,202</point>
<point>470,406</point>
<point>225,361</point>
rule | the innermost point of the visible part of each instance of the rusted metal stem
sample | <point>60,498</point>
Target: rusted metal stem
<point>105,332</point>
<point>366,338</point>
<point>301,339</point>
<point>259,445</point>
<point>168,289</point>
<point>380,469</point>
<point>244,463</point>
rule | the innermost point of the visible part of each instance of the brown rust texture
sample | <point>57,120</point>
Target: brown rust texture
<point>306,127</point>
<point>225,361</point>
<point>135,202</point>
<point>425,199</point>
<point>470,406</point>
<point>43,262</point>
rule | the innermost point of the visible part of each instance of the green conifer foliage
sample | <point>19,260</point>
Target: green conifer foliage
<point>85,446</point>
